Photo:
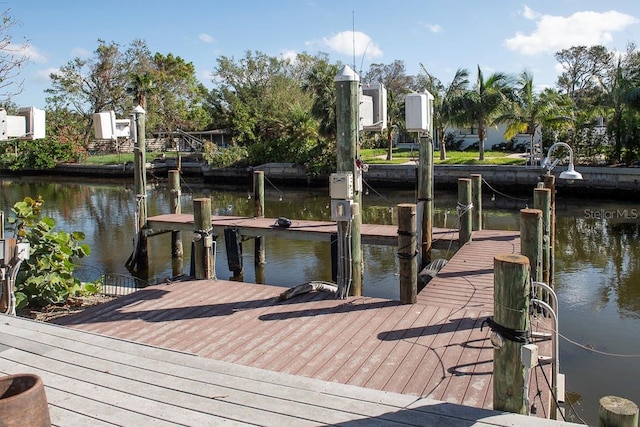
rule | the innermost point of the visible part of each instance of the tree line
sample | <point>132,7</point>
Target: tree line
<point>284,110</point>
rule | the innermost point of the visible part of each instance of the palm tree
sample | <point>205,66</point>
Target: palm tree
<point>532,110</point>
<point>444,96</point>
<point>483,105</point>
<point>141,86</point>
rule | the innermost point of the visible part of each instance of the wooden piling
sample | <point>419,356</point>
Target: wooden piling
<point>550,183</point>
<point>476,198</point>
<point>617,412</point>
<point>203,252</point>
<point>407,251</point>
<point>464,210</point>
<point>138,262</point>
<point>177,251</point>
<point>425,200</point>
<point>531,240</point>
<point>259,258</point>
<point>347,86</point>
<point>511,312</point>
<point>542,201</point>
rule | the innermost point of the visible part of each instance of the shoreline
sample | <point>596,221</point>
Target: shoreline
<point>601,182</point>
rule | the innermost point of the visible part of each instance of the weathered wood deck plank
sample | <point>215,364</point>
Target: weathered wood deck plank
<point>108,381</point>
<point>375,234</point>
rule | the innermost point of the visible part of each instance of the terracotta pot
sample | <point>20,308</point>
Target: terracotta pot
<point>23,401</point>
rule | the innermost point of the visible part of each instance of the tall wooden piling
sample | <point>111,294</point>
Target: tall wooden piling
<point>465,206</point>
<point>203,250</point>
<point>511,313</point>
<point>425,199</point>
<point>617,412</point>
<point>139,260</point>
<point>259,258</point>
<point>531,240</point>
<point>542,201</point>
<point>550,183</point>
<point>347,125</point>
<point>476,199</point>
<point>177,251</point>
<point>407,251</point>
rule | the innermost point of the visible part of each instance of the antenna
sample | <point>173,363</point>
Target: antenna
<point>353,35</point>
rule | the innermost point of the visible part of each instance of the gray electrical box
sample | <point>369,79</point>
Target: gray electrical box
<point>341,210</point>
<point>341,185</point>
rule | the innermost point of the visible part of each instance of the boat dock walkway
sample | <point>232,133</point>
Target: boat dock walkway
<point>375,234</point>
<point>312,359</point>
<point>95,380</point>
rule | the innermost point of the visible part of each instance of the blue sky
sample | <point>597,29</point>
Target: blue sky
<point>498,35</point>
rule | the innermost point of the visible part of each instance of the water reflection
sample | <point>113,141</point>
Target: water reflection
<point>597,258</point>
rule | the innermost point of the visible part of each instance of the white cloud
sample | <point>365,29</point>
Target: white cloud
<point>42,76</point>
<point>80,52</point>
<point>30,52</point>
<point>529,13</point>
<point>206,38</point>
<point>290,55</point>
<point>434,28</point>
<point>555,33</point>
<point>349,42</point>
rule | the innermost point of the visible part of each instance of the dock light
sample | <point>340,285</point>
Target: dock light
<point>570,174</point>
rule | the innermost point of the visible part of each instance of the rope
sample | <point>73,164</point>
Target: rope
<point>271,184</point>
<point>515,335</point>
<point>463,209</point>
<point>503,194</point>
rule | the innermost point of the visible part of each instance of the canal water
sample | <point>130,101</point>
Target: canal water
<point>597,258</point>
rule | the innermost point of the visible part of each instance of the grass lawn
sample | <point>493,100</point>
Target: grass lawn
<point>118,159</point>
<point>370,156</point>
<point>403,155</point>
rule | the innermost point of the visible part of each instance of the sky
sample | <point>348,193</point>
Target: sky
<point>496,35</point>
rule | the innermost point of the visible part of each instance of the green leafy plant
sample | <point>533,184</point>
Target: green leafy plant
<point>47,276</point>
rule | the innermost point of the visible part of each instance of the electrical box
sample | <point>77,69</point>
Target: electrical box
<point>341,210</point>
<point>529,355</point>
<point>378,94</point>
<point>35,122</point>
<point>104,125</point>
<point>341,185</point>
<point>365,111</point>
<point>418,111</point>
<point>16,126</point>
<point>22,251</point>
<point>123,128</point>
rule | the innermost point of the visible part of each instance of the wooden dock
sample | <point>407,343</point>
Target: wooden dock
<point>374,234</point>
<point>95,380</point>
<point>434,349</point>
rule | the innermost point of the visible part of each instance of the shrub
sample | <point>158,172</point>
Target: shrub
<point>47,276</point>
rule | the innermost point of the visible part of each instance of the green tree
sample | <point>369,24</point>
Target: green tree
<point>319,82</point>
<point>443,99</point>
<point>532,110</point>
<point>90,85</point>
<point>483,105</point>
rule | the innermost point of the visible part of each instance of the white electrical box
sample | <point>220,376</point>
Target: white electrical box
<point>415,112</point>
<point>15,126</point>
<point>529,355</point>
<point>341,185</point>
<point>341,210</point>
<point>365,111</point>
<point>35,122</point>
<point>378,94</point>
<point>104,124</point>
<point>418,111</point>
